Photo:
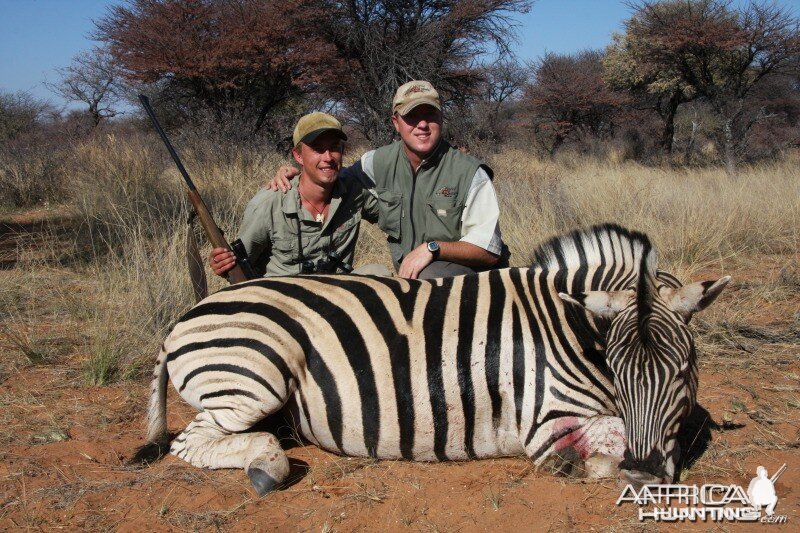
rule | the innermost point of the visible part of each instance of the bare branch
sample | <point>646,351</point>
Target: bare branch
<point>93,79</point>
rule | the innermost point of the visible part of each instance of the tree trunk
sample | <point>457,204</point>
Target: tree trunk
<point>729,147</point>
<point>557,142</point>
<point>95,113</point>
<point>687,156</point>
<point>668,134</point>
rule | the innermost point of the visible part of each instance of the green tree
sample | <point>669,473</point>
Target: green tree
<point>767,48</point>
<point>674,51</point>
<point>648,59</point>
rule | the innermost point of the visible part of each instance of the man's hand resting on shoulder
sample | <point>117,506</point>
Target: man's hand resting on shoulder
<point>280,182</point>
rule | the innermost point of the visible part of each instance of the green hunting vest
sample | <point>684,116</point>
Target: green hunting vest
<point>428,206</point>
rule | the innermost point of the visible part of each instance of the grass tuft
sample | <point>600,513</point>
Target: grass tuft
<point>105,354</point>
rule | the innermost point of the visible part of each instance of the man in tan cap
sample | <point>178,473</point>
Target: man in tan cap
<point>437,205</point>
<point>313,228</point>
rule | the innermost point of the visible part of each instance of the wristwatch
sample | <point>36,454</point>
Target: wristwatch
<point>433,248</point>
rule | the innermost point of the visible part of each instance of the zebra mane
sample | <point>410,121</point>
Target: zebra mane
<point>645,292</point>
<point>600,248</point>
<point>583,247</point>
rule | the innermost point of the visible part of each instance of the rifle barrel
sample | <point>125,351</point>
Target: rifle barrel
<point>215,236</point>
<point>778,474</point>
<point>146,104</point>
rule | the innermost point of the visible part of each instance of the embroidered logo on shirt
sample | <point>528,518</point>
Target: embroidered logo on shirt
<point>446,192</point>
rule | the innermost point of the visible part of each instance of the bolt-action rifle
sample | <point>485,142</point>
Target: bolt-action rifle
<point>243,270</point>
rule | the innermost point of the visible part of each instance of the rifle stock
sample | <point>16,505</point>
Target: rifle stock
<point>235,275</point>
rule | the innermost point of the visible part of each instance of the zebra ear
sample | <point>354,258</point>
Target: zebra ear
<point>605,304</point>
<point>693,297</point>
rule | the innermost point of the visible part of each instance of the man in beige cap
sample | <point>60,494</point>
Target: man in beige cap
<point>313,228</point>
<point>436,205</point>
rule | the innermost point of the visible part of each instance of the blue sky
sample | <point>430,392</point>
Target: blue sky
<point>38,36</point>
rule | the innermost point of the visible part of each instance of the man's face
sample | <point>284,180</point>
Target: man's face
<point>321,159</point>
<point>420,129</point>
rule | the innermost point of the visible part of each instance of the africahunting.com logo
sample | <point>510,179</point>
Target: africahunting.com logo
<point>711,502</point>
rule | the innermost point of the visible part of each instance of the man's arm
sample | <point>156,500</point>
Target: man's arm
<point>361,170</point>
<point>480,220</point>
<point>282,178</point>
<point>480,244</point>
<point>461,252</point>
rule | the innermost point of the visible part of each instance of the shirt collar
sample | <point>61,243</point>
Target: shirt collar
<point>434,157</point>
<point>291,200</point>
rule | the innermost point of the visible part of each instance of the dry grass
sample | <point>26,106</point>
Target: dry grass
<point>130,244</point>
<point>697,218</point>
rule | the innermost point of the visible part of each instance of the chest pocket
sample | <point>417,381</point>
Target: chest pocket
<point>390,210</point>
<point>284,249</point>
<point>344,231</point>
<point>443,219</point>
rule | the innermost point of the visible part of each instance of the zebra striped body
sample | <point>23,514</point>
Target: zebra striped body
<point>476,366</point>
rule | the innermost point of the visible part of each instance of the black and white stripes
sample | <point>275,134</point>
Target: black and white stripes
<point>459,368</point>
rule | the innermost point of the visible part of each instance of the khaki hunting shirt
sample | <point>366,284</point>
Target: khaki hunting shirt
<point>269,228</point>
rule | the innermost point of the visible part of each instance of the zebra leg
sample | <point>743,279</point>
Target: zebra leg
<point>579,447</point>
<point>213,440</point>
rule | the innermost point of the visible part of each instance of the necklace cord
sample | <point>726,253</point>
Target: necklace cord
<point>320,213</point>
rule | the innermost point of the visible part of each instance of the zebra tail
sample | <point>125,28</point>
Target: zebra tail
<point>157,436</point>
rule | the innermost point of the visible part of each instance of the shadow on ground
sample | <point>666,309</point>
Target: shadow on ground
<point>695,435</point>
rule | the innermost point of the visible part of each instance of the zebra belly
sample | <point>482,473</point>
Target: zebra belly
<point>404,427</point>
<point>506,444</point>
<point>232,361</point>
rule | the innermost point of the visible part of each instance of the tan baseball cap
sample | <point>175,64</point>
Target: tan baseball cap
<point>311,126</point>
<point>414,93</point>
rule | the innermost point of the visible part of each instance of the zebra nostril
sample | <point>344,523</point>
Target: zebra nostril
<point>652,467</point>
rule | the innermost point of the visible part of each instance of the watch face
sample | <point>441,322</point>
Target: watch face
<point>433,246</point>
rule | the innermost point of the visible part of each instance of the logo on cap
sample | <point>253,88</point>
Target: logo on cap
<point>417,89</point>
<point>414,93</point>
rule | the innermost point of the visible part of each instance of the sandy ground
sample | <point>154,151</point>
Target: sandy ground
<point>64,446</point>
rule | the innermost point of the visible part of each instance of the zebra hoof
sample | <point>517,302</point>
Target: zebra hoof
<point>262,482</point>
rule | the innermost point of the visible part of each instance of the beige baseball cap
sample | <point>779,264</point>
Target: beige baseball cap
<point>311,126</point>
<point>414,93</point>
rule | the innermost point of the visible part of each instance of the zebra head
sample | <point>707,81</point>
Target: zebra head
<point>651,354</point>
